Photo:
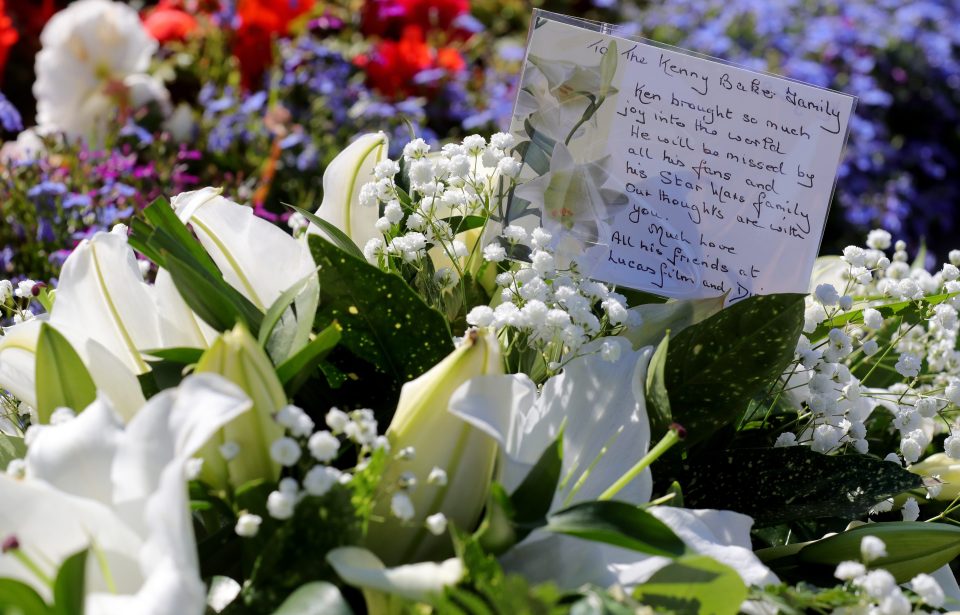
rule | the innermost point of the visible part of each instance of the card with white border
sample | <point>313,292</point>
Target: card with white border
<point>669,172</point>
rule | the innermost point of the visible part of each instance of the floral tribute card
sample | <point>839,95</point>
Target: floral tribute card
<point>669,172</point>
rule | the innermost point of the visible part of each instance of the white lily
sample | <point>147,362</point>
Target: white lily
<point>602,412</point>
<point>256,257</point>
<point>342,180</point>
<point>440,440</point>
<point>119,491</point>
<point>107,313</point>
<point>237,356</point>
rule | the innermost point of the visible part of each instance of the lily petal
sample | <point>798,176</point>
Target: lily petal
<point>247,249</point>
<point>18,360</point>
<point>102,296</point>
<point>361,568</point>
<point>342,181</point>
<point>75,457</point>
<point>600,406</point>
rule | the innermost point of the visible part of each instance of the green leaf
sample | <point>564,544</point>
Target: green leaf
<point>165,240</point>
<point>912,311</point>
<point>912,547</point>
<point>301,365</point>
<point>655,391</point>
<point>510,518</point>
<point>716,366</point>
<point>335,235</point>
<point>288,322</point>
<point>162,217</point>
<point>675,315</point>
<point>317,598</point>
<point>182,354</point>
<point>619,524</point>
<point>694,584</point>
<point>461,224</point>
<point>18,598</point>
<point>62,378</point>
<point>212,299</point>
<point>384,322</point>
<point>68,589</point>
<point>11,447</point>
<point>791,483</point>
<point>532,498</point>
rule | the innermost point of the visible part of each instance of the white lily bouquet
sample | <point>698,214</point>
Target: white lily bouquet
<point>412,407</point>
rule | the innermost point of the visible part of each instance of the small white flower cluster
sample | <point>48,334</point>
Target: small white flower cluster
<point>459,181</point>
<point>15,300</point>
<point>547,304</point>
<point>878,588</point>
<point>321,447</point>
<point>922,351</point>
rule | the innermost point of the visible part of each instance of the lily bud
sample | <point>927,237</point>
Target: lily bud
<point>943,468</point>
<point>236,356</point>
<point>439,439</point>
<point>342,180</point>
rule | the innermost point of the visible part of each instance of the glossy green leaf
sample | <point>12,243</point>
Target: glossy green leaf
<point>791,483</point>
<point>62,378</point>
<point>385,323</point>
<point>18,598</point>
<point>68,588</point>
<point>317,598</point>
<point>694,584</point>
<point>619,524</point>
<point>300,366</point>
<point>716,366</point>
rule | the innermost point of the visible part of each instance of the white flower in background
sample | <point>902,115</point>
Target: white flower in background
<point>93,62</point>
<point>91,482</point>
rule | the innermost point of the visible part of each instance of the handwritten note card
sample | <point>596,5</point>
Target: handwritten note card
<point>673,173</point>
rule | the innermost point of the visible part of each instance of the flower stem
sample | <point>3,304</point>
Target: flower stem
<point>673,435</point>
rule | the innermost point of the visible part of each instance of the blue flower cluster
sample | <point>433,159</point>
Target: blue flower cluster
<point>902,59</point>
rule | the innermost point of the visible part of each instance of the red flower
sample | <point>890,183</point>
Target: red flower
<point>8,37</point>
<point>393,65</point>
<point>435,14</point>
<point>260,21</point>
<point>168,22</point>
<point>388,18</point>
